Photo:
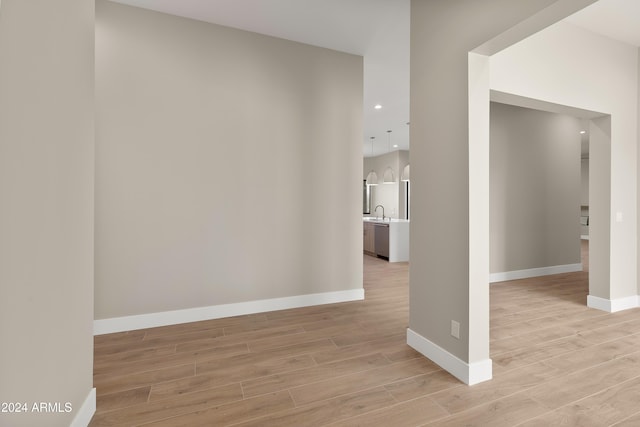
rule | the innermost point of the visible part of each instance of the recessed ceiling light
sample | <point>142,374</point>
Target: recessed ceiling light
<point>377,106</point>
<point>395,145</point>
<point>582,132</point>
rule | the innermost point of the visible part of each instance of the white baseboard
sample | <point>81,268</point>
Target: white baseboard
<point>613,305</point>
<point>534,272</point>
<point>151,320</point>
<point>86,411</point>
<point>470,374</point>
<point>584,237</point>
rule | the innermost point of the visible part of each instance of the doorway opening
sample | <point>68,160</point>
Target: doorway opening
<point>566,182</point>
<point>549,175</point>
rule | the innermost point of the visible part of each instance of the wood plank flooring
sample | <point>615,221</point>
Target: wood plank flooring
<point>556,362</point>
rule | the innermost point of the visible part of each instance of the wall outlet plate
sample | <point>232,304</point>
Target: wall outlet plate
<point>455,329</point>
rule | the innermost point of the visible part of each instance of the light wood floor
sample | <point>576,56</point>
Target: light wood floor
<point>556,362</point>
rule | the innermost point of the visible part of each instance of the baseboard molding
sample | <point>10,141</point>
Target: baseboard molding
<point>470,374</point>
<point>611,306</point>
<point>534,272</point>
<point>86,411</point>
<point>151,320</point>
<point>584,237</point>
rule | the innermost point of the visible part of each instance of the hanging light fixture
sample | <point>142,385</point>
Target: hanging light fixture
<point>372,178</point>
<point>405,171</point>
<point>388,177</point>
<point>405,174</point>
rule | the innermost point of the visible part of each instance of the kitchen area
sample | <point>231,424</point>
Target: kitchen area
<point>388,239</point>
<point>386,206</point>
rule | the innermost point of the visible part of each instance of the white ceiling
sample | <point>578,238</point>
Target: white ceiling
<point>378,30</point>
<point>616,19</point>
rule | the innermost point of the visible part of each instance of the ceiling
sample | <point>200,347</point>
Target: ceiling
<point>378,30</point>
<point>616,19</point>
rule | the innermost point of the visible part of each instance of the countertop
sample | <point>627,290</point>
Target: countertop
<point>386,220</point>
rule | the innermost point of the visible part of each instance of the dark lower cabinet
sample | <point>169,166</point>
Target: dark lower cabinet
<point>382,240</point>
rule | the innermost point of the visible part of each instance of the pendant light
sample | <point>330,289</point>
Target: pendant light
<point>405,174</point>
<point>372,178</point>
<point>389,177</point>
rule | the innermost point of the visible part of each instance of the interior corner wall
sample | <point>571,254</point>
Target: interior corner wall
<point>600,207</point>
<point>46,219</point>
<point>638,160</point>
<point>535,189</point>
<point>567,65</point>
<point>228,165</point>
<point>442,35</point>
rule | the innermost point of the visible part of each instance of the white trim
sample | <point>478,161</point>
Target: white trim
<point>584,237</point>
<point>534,272</point>
<point>599,303</point>
<point>611,306</point>
<point>151,320</point>
<point>470,374</point>
<point>86,411</point>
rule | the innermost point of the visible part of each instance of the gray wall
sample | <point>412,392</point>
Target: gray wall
<point>600,207</point>
<point>46,219</point>
<point>534,189</point>
<point>228,165</point>
<point>442,35</point>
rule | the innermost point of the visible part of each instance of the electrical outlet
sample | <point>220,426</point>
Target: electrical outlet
<point>455,329</point>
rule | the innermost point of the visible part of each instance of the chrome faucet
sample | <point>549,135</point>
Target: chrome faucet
<point>376,211</point>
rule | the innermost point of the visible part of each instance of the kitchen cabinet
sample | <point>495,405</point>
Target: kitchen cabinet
<point>382,240</point>
<point>369,243</point>
<point>388,238</point>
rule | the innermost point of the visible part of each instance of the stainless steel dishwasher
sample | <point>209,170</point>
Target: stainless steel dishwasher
<point>382,240</point>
